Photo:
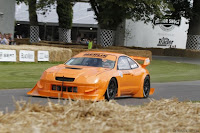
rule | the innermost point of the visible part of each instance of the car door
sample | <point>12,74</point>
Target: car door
<point>136,75</point>
<point>125,75</point>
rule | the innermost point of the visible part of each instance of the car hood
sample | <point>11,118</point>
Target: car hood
<point>76,71</point>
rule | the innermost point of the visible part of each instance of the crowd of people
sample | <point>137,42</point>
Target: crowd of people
<point>6,39</point>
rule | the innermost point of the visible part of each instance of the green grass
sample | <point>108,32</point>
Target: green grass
<point>25,75</point>
<point>165,71</point>
<point>21,75</point>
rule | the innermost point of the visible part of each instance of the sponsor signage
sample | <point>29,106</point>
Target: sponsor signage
<point>26,56</point>
<point>43,55</point>
<point>166,33</point>
<point>96,55</point>
<point>165,42</point>
<point>167,24</point>
<point>7,55</point>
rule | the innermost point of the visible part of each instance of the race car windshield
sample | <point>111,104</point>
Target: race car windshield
<point>94,62</point>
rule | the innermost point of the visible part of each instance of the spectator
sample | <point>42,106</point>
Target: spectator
<point>7,38</point>
<point>19,37</point>
<point>11,40</point>
<point>3,40</point>
<point>78,40</point>
<point>90,43</point>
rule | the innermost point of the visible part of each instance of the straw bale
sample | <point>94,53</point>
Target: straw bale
<point>163,116</point>
<point>77,48</point>
<point>55,53</point>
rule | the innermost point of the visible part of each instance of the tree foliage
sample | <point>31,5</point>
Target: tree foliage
<point>65,13</point>
<point>64,10</point>
<point>110,13</point>
<point>189,9</point>
<point>181,8</point>
<point>32,10</point>
<point>45,5</point>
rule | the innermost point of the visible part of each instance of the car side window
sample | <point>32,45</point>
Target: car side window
<point>132,63</point>
<point>123,63</point>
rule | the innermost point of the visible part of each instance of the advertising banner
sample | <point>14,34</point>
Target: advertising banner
<point>26,56</point>
<point>7,55</point>
<point>43,55</point>
<point>164,33</point>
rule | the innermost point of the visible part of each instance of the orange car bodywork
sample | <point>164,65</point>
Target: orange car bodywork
<point>91,83</point>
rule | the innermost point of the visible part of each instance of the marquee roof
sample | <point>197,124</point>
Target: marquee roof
<point>82,15</point>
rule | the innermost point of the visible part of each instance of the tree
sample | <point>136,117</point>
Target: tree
<point>194,16</point>
<point>189,9</point>
<point>65,15</point>
<point>111,13</point>
<point>34,29</point>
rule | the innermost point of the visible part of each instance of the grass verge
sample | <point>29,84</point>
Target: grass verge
<point>25,75</point>
<point>21,75</point>
<point>166,71</point>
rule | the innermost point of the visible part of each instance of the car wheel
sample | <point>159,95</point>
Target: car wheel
<point>111,90</point>
<point>146,87</point>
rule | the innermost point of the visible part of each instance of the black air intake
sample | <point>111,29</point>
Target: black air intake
<point>73,68</point>
<point>65,79</point>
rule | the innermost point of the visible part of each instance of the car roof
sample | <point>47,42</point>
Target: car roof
<point>102,52</point>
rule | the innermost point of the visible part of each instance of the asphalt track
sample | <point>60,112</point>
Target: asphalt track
<point>184,91</point>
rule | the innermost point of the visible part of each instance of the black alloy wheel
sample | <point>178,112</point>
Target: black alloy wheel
<point>146,87</point>
<point>111,90</point>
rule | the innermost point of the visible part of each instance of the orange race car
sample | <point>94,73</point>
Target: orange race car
<point>96,76</point>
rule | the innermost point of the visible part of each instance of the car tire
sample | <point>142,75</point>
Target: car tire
<point>111,90</point>
<point>146,87</point>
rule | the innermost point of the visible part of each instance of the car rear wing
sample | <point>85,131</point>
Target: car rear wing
<point>146,61</point>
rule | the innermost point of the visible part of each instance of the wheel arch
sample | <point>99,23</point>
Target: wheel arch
<point>113,78</point>
<point>116,81</point>
<point>139,94</point>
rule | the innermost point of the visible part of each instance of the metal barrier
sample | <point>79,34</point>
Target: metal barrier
<point>193,42</point>
<point>107,37</point>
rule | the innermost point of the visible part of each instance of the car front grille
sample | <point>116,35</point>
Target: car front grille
<point>64,88</point>
<point>65,79</point>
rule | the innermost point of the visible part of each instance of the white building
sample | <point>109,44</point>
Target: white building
<point>162,34</point>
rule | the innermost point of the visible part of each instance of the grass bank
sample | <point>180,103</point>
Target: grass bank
<point>21,75</point>
<point>25,75</point>
<point>165,71</point>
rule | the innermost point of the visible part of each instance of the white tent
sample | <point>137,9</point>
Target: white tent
<point>81,14</point>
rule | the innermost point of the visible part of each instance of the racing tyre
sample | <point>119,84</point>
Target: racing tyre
<point>146,87</point>
<point>111,90</point>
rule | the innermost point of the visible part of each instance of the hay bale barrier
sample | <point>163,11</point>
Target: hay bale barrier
<point>167,115</point>
<point>56,54</point>
<point>77,48</point>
